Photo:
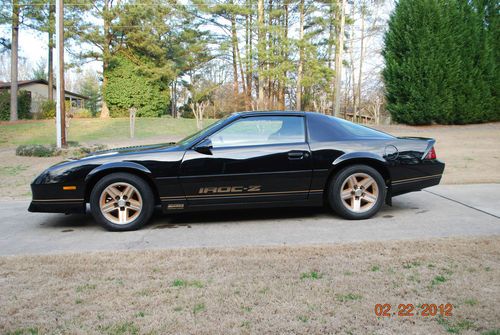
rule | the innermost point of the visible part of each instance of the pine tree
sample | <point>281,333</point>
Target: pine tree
<point>438,63</point>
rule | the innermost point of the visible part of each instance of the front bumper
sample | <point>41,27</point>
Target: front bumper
<point>57,206</point>
<point>50,198</point>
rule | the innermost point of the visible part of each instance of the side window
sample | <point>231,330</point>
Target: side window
<point>260,130</point>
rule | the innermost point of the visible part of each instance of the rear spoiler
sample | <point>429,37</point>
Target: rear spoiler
<point>430,143</point>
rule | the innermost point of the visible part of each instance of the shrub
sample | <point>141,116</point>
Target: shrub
<point>82,113</point>
<point>23,105</point>
<point>48,110</point>
<point>73,150</point>
<point>79,152</point>
<point>37,150</point>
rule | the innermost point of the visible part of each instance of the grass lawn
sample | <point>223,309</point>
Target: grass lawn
<point>280,290</point>
<point>95,130</point>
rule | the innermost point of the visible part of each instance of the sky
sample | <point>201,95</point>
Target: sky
<point>33,50</point>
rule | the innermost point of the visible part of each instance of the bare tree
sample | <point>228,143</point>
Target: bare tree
<point>198,109</point>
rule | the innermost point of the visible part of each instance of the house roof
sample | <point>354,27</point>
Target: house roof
<point>21,83</point>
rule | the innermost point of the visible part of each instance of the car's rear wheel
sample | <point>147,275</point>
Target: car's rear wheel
<point>121,201</point>
<point>357,192</point>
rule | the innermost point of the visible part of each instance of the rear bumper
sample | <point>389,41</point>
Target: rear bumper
<point>432,176</point>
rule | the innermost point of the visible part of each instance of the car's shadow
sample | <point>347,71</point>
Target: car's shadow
<point>161,220</point>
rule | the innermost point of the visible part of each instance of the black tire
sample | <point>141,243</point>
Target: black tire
<point>334,192</point>
<point>142,187</point>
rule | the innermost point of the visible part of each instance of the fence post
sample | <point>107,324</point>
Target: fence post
<point>132,111</point>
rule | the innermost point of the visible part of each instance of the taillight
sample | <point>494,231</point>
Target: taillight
<point>431,154</point>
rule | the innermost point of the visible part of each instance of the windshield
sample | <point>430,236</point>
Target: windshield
<point>201,133</point>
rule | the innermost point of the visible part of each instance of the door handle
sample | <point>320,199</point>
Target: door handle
<point>295,155</point>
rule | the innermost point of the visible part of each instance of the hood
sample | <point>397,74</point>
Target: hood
<point>131,149</point>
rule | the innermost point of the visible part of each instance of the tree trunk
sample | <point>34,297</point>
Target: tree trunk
<point>301,56</point>
<point>361,58</point>
<point>261,48</point>
<point>270,49</point>
<point>173,99</point>
<point>238,56</point>
<point>351,57</point>
<point>339,50</point>
<point>234,43</point>
<point>13,61</point>
<point>248,52</point>
<point>281,93</point>
<point>50,58</point>
<point>106,56</point>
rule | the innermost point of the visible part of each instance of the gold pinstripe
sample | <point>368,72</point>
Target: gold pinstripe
<point>233,195</point>
<point>409,180</point>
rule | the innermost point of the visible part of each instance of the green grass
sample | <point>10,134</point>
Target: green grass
<point>455,327</point>
<point>409,265</point>
<point>95,130</point>
<point>492,332</point>
<point>86,287</point>
<point>471,302</point>
<point>438,280</point>
<point>186,283</point>
<point>198,308</point>
<point>311,275</point>
<point>348,297</point>
<point>120,329</point>
<point>24,331</point>
<point>303,318</point>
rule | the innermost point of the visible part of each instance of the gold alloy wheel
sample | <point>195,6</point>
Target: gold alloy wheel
<point>120,203</point>
<point>359,192</point>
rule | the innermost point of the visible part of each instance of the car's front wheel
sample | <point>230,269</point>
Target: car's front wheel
<point>357,192</point>
<point>121,201</point>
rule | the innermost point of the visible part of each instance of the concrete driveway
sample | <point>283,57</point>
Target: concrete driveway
<point>442,211</point>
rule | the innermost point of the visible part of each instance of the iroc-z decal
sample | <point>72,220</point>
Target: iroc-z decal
<point>229,189</point>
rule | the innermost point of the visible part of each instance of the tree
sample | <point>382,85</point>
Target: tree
<point>201,91</point>
<point>339,49</point>
<point>13,60</point>
<point>301,56</point>
<point>439,63</point>
<point>89,86</point>
<point>261,52</point>
<point>105,42</point>
<point>129,87</point>
<point>40,17</point>
<point>40,71</point>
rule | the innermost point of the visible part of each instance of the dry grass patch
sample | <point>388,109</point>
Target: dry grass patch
<point>471,152</point>
<point>300,290</point>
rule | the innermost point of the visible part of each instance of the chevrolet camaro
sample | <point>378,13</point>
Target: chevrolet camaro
<point>247,160</point>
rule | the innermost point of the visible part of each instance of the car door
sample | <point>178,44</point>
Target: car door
<point>253,159</point>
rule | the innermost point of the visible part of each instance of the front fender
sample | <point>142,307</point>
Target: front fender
<point>117,165</point>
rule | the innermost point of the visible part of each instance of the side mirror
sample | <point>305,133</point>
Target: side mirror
<point>204,147</point>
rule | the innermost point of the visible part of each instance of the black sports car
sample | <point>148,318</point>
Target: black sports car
<point>250,159</point>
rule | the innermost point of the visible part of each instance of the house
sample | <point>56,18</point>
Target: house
<point>38,89</point>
